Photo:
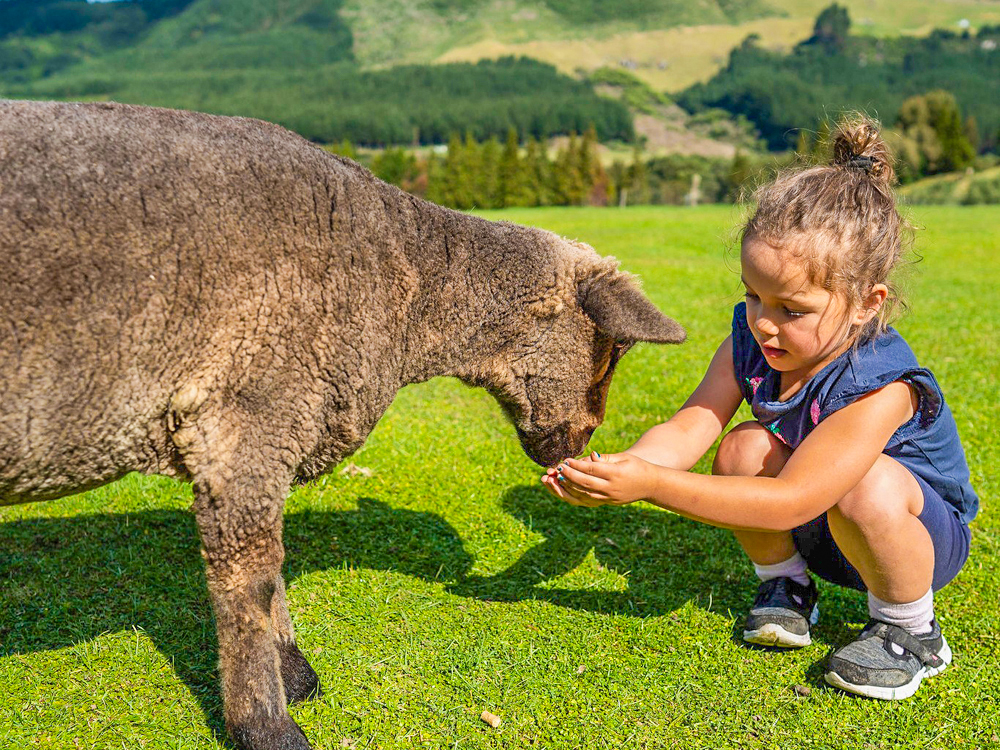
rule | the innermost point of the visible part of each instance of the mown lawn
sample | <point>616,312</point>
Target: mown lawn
<point>447,582</point>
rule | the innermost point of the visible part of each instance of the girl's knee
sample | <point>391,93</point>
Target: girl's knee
<point>748,450</point>
<point>887,491</point>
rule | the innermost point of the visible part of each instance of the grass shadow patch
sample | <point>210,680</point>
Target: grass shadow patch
<point>667,560</point>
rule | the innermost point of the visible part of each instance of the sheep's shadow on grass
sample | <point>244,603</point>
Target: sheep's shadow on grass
<point>67,580</point>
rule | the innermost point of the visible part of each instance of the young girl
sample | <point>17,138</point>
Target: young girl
<point>852,466</point>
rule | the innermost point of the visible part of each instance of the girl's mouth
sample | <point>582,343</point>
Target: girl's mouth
<point>771,351</point>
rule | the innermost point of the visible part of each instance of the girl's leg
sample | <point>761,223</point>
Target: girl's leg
<point>785,605</point>
<point>750,450</point>
<point>877,528</point>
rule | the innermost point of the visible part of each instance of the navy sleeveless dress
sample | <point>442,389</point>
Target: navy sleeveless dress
<point>928,445</point>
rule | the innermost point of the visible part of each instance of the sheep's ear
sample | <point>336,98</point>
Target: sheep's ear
<point>621,310</point>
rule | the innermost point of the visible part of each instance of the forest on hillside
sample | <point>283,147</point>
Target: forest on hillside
<point>292,63</point>
<point>237,57</point>
<point>834,71</point>
<point>112,24</point>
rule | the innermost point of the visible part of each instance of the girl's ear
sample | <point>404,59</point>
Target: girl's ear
<point>871,304</point>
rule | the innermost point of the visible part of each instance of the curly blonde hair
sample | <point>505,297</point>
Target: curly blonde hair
<point>840,219</point>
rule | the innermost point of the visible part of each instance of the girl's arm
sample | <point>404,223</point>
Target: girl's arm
<point>830,462</point>
<point>679,442</point>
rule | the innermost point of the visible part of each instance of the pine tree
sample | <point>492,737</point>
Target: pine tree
<point>570,184</point>
<point>469,172</point>
<point>538,175</point>
<point>396,166</point>
<point>455,189</point>
<point>934,123</point>
<point>488,175</point>
<point>739,175</point>
<point>435,184</point>
<point>832,27</point>
<point>972,132</point>
<point>638,178</point>
<point>598,188</point>
<point>512,173</point>
<point>345,148</point>
<point>618,174</point>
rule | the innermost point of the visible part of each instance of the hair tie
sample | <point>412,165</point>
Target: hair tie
<point>861,162</point>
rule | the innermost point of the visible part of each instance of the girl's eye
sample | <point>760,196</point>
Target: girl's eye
<point>749,295</point>
<point>794,313</point>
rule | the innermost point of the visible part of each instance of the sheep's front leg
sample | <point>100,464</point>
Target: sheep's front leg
<point>298,677</point>
<point>239,519</point>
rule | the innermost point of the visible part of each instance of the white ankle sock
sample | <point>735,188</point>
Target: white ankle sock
<point>794,567</point>
<point>913,617</point>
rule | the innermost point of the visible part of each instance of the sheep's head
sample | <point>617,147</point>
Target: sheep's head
<point>553,379</point>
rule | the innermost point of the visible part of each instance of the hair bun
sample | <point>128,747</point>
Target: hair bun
<point>857,144</point>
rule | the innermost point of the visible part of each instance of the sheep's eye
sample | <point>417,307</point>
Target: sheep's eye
<point>608,364</point>
<point>602,370</point>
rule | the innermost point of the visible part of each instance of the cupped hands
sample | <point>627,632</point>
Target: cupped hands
<point>595,480</point>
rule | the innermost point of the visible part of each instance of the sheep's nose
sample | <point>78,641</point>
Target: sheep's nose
<point>579,438</point>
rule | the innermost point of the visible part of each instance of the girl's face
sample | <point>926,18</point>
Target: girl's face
<point>799,326</point>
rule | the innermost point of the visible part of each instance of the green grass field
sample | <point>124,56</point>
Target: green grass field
<point>447,582</point>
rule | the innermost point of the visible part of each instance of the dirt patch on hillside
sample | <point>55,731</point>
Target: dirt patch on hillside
<point>661,138</point>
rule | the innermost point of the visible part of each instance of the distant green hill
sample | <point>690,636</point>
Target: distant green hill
<point>670,46</point>
<point>781,93</point>
<point>41,38</point>
<point>168,36</point>
<point>291,62</point>
<point>336,69</point>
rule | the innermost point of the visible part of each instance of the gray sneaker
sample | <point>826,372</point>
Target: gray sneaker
<point>782,613</point>
<point>887,662</point>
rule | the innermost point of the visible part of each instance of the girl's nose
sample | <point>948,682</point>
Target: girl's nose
<point>766,326</point>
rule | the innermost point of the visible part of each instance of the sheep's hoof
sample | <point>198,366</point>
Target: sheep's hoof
<point>272,734</point>
<point>300,680</point>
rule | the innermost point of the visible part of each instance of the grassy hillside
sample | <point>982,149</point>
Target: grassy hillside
<point>671,57</point>
<point>291,62</point>
<point>669,43</point>
<point>299,62</point>
<point>388,32</point>
<point>969,188</point>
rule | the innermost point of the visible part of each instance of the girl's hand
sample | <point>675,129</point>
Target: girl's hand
<point>615,479</point>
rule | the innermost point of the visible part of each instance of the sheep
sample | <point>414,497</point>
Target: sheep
<point>218,300</point>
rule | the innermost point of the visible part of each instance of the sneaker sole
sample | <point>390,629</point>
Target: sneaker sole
<point>892,693</point>
<point>773,634</point>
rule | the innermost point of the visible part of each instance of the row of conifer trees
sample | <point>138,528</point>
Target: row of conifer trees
<point>488,174</point>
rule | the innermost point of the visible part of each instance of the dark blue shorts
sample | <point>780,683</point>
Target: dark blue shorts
<point>949,535</point>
